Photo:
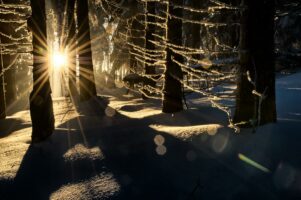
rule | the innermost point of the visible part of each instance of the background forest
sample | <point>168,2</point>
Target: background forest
<point>141,40</point>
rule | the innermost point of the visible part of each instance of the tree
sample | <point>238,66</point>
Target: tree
<point>172,91</point>
<point>71,44</point>
<point>2,91</point>
<point>149,37</point>
<point>257,60</point>
<point>41,108</point>
<point>87,88</point>
<point>193,31</point>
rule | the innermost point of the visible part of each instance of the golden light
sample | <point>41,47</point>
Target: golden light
<point>59,64</point>
<point>59,60</point>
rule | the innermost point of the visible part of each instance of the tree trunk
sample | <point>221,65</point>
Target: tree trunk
<point>41,108</point>
<point>150,30</point>
<point>245,100</point>
<point>194,30</point>
<point>257,57</point>
<point>2,91</point>
<point>262,47</point>
<point>172,91</point>
<point>87,82</point>
<point>71,45</point>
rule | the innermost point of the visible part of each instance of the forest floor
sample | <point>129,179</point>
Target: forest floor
<point>122,147</point>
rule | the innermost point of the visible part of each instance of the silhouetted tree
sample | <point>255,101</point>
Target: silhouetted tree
<point>193,31</point>
<point>71,44</point>
<point>172,91</point>
<point>256,58</point>
<point>41,108</point>
<point>2,91</point>
<point>149,37</point>
<point>87,82</point>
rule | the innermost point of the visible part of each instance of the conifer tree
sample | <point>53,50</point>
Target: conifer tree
<point>172,91</point>
<point>255,100</point>
<point>41,108</point>
<point>87,82</point>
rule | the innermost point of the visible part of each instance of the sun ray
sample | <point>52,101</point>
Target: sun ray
<point>24,93</point>
<point>40,36</point>
<point>40,83</point>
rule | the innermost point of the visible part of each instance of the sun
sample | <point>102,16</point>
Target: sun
<point>59,60</point>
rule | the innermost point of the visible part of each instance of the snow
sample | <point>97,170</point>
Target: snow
<point>121,147</point>
<point>79,152</point>
<point>185,132</point>
<point>98,187</point>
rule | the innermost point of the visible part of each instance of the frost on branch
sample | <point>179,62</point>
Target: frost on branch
<point>15,49</point>
<point>15,38</point>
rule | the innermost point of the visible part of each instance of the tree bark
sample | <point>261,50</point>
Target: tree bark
<point>245,100</point>
<point>41,108</point>
<point>194,30</point>
<point>71,45</point>
<point>150,30</point>
<point>87,82</point>
<point>262,48</point>
<point>257,57</point>
<point>2,91</point>
<point>172,91</point>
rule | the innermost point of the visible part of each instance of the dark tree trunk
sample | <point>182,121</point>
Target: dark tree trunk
<point>262,47</point>
<point>245,100</point>
<point>71,45</point>
<point>87,82</point>
<point>172,91</point>
<point>257,57</point>
<point>194,30</point>
<point>41,108</point>
<point>150,30</point>
<point>2,91</point>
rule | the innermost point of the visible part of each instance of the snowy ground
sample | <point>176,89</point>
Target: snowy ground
<point>133,151</point>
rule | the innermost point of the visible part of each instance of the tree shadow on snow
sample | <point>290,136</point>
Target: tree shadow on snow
<point>10,125</point>
<point>142,165</point>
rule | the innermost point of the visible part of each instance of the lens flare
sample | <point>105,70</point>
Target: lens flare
<point>253,163</point>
